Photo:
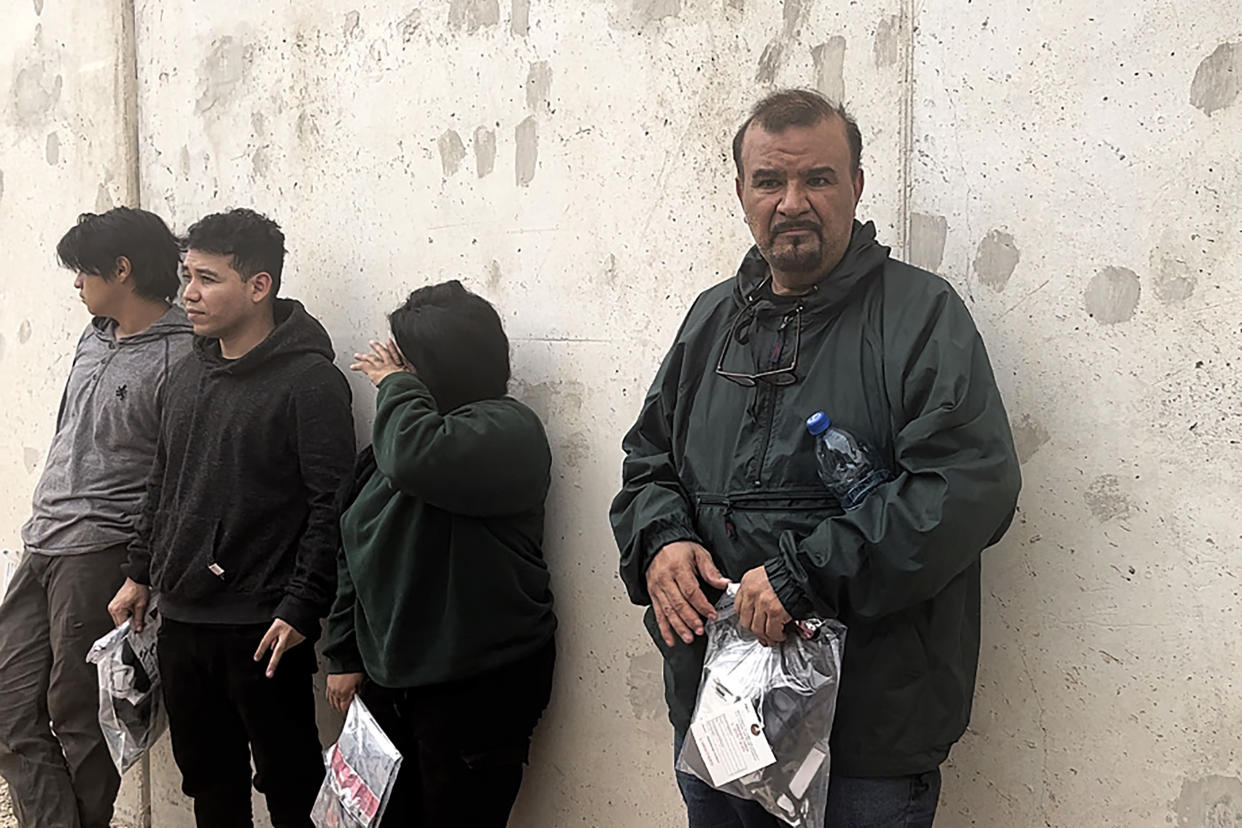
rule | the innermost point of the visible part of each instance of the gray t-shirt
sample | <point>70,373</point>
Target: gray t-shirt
<point>93,483</point>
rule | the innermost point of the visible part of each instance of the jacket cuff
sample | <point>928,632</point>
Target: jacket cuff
<point>790,593</point>
<point>300,615</point>
<point>340,662</point>
<point>138,573</point>
<point>404,379</point>
<point>661,538</point>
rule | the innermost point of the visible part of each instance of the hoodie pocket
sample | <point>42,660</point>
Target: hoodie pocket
<point>184,556</point>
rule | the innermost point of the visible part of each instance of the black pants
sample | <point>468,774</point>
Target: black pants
<point>222,709</point>
<point>463,744</point>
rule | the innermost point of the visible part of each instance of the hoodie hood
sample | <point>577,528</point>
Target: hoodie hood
<point>863,258</point>
<point>171,323</point>
<point>296,334</point>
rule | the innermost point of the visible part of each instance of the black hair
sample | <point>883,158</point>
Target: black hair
<point>456,343</point>
<point>799,107</point>
<point>253,240</point>
<point>94,244</point>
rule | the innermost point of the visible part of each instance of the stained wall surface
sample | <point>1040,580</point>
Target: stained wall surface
<point>1077,176</point>
<point>1072,171</point>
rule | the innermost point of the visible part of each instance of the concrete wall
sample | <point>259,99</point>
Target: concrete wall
<point>1085,162</point>
<point>1073,171</point>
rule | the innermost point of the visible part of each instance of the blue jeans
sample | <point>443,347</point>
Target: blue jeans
<point>890,802</point>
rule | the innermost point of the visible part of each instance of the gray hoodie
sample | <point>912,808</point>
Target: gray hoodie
<point>93,482</point>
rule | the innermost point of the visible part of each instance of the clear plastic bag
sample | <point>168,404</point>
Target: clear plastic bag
<point>764,715</point>
<point>131,707</point>
<point>362,767</point>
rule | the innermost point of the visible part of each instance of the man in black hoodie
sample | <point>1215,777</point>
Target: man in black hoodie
<point>239,531</point>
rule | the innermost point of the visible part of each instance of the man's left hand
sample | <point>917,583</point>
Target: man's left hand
<point>758,608</point>
<point>279,638</point>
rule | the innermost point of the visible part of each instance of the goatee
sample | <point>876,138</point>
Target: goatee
<point>802,258</point>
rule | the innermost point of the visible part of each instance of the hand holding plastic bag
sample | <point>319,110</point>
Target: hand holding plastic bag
<point>764,715</point>
<point>362,767</point>
<point>131,709</point>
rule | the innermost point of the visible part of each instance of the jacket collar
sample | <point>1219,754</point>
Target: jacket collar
<point>863,258</point>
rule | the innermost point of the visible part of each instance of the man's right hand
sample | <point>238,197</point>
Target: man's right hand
<point>673,584</point>
<point>130,602</point>
<point>342,687</point>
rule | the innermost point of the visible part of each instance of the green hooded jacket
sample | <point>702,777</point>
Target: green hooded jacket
<point>890,353</point>
<point>440,574</point>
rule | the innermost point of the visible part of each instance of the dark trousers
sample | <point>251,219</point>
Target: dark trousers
<point>889,802</point>
<point>222,710</point>
<point>462,744</point>
<point>60,775</point>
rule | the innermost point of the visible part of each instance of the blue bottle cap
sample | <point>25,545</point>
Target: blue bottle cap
<point>818,423</point>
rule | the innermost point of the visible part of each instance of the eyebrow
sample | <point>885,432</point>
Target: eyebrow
<point>824,170</point>
<point>208,271</point>
<point>766,172</point>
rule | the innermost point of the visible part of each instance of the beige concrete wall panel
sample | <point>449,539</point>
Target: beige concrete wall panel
<point>1076,176</point>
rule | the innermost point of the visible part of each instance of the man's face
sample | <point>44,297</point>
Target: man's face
<point>102,297</point>
<point>799,195</point>
<point>217,301</point>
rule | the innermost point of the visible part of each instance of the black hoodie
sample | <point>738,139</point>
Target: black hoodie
<point>240,526</point>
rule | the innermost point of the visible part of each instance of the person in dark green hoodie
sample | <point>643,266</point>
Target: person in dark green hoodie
<point>720,481</point>
<point>443,618</point>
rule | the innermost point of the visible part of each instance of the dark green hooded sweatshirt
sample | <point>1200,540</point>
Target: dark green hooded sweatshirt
<point>890,353</point>
<point>441,575</point>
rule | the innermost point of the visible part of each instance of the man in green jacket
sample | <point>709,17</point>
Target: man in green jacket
<point>720,480</point>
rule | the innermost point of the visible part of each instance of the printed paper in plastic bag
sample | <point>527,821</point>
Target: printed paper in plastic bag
<point>361,769</point>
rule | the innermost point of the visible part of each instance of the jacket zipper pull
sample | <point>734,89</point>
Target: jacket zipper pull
<point>730,529</point>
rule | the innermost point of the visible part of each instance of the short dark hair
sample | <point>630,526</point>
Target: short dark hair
<point>253,240</point>
<point>799,107</point>
<point>95,243</point>
<point>456,343</point>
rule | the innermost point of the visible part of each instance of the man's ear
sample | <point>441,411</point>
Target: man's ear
<point>124,269</point>
<point>859,180</point>
<point>260,286</point>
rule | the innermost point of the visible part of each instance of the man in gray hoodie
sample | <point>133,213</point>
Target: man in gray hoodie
<point>85,508</point>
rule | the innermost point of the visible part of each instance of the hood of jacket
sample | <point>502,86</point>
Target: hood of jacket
<point>296,334</point>
<point>863,259</point>
<point>172,322</point>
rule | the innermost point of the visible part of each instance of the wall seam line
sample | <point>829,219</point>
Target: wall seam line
<point>129,98</point>
<point>907,125</point>
<point>133,182</point>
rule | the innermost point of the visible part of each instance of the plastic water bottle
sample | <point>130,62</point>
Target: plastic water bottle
<point>848,467</point>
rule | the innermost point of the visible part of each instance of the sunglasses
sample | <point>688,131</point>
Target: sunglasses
<point>776,376</point>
